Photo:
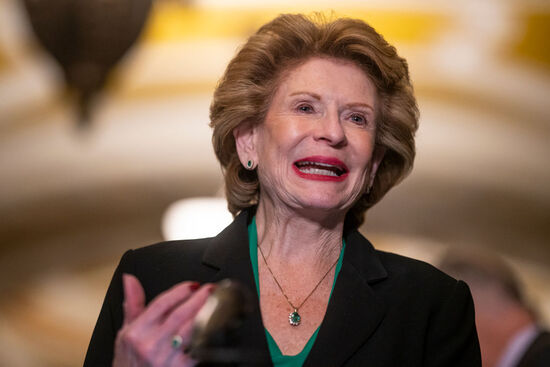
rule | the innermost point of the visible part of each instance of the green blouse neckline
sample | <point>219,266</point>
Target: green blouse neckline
<point>277,357</point>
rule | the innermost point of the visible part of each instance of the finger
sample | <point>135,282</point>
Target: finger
<point>166,301</point>
<point>178,356</point>
<point>181,359</point>
<point>188,310</point>
<point>134,298</point>
<point>179,323</point>
<point>166,353</point>
<point>185,332</point>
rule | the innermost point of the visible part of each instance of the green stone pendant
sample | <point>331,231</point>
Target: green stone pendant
<point>294,318</point>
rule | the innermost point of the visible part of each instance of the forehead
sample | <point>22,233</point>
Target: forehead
<point>328,75</point>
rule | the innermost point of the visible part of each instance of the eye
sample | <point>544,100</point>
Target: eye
<point>305,108</point>
<point>358,118</point>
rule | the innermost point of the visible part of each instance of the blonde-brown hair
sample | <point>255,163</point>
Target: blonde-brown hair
<point>244,93</point>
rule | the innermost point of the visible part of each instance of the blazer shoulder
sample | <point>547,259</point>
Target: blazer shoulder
<point>415,277</point>
<point>440,303</point>
<point>172,248</point>
<point>162,265</point>
<point>414,269</point>
<point>379,266</point>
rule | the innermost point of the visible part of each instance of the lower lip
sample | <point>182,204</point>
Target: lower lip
<point>314,177</point>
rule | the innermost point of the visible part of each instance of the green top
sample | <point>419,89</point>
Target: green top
<point>280,360</point>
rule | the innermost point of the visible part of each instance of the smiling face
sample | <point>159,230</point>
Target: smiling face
<point>316,147</point>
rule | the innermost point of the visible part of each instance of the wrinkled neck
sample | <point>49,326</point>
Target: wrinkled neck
<point>296,238</point>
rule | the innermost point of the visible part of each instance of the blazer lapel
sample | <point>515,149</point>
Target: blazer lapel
<point>354,311</point>
<point>229,253</point>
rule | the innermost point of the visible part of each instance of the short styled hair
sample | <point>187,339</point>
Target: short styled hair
<point>244,93</point>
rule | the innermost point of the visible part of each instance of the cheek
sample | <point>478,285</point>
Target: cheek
<point>286,131</point>
<point>273,160</point>
<point>364,153</point>
<point>279,142</point>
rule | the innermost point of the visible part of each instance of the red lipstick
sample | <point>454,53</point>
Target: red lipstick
<point>321,168</point>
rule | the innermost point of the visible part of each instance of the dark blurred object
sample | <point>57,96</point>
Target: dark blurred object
<point>509,331</point>
<point>87,38</point>
<point>215,324</point>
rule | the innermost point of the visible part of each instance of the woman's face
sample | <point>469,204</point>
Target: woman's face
<point>315,149</point>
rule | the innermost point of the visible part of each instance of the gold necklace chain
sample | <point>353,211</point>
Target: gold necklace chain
<point>294,317</point>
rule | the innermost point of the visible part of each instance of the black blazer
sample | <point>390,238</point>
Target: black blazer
<point>385,310</point>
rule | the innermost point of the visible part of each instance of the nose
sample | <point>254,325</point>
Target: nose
<point>329,129</point>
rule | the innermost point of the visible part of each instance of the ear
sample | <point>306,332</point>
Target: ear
<point>377,156</point>
<point>245,141</point>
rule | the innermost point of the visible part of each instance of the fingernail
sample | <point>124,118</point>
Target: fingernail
<point>212,288</point>
<point>194,286</point>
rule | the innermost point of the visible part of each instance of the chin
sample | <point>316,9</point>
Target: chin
<point>325,203</point>
<point>335,198</point>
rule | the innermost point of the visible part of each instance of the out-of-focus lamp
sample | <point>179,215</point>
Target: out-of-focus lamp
<point>87,38</point>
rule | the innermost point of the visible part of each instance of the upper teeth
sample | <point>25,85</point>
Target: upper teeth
<point>318,171</point>
<point>319,168</point>
<point>304,163</point>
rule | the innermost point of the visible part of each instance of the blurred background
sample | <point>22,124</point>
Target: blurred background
<point>89,171</point>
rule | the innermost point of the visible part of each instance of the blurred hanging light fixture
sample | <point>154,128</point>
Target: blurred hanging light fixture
<point>87,38</point>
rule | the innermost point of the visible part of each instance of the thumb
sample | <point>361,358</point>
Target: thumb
<point>134,298</point>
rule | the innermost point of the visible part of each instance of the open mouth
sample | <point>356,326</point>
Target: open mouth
<point>315,168</point>
<point>321,167</point>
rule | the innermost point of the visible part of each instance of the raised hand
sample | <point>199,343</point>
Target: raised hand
<point>155,335</point>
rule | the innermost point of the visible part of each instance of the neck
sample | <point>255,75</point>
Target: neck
<point>295,238</point>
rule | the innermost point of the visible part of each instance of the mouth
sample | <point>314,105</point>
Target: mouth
<point>321,168</point>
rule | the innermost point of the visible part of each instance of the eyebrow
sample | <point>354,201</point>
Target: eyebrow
<point>318,97</point>
<point>314,95</point>
<point>360,104</point>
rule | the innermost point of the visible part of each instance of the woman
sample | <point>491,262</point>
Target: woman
<point>313,123</point>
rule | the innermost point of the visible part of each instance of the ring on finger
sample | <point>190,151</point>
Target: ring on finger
<point>177,341</point>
